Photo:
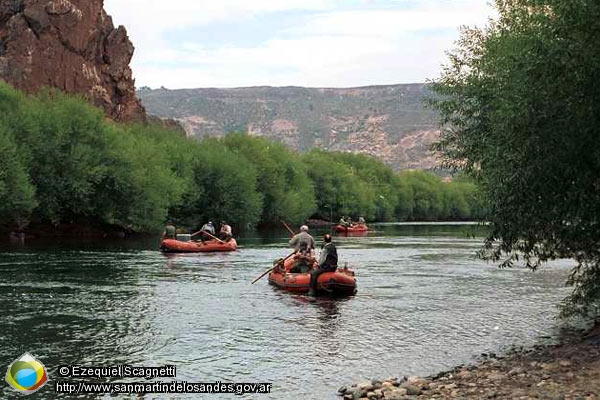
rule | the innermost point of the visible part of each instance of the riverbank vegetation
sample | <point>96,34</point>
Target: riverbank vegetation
<point>520,102</point>
<point>63,163</point>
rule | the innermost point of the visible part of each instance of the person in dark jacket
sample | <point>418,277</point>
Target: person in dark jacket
<point>328,260</point>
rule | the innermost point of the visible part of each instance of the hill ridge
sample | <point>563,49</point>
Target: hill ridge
<point>389,122</point>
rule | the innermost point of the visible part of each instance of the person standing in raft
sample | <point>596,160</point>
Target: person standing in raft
<point>304,244</point>
<point>170,232</point>
<point>207,228</point>
<point>327,263</point>
<point>225,233</point>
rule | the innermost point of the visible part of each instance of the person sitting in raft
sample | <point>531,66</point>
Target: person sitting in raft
<point>207,228</point>
<point>361,220</point>
<point>225,233</point>
<point>327,263</point>
<point>170,232</point>
<point>304,244</point>
<point>343,221</point>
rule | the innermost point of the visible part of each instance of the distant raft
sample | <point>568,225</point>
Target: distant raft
<point>353,228</point>
<point>340,282</point>
<point>178,246</point>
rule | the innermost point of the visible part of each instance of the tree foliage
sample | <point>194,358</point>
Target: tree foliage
<point>221,189</point>
<point>282,180</point>
<point>17,194</point>
<point>358,185</point>
<point>63,163</point>
<point>519,101</point>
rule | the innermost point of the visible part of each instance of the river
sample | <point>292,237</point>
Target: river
<point>424,303</point>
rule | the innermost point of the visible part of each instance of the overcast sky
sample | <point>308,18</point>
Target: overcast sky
<point>316,43</point>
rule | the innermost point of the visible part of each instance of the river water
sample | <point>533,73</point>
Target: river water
<point>424,303</point>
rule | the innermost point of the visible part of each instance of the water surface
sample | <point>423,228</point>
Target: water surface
<point>424,303</point>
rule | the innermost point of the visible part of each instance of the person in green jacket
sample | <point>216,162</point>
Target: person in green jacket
<point>170,232</point>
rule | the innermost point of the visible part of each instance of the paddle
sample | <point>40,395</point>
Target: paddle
<point>288,228</point>
<point>273,267</point>
<point>214,237</point>
<point>195,233</point>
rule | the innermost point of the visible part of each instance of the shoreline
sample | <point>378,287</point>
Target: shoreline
<point>95,230</point>
<point>569,370</point>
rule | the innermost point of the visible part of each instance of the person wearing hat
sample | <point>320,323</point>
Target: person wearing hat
<point>207,228</point>
<point>327,263</point>
<point>304,244</point>
<point>225,233</point>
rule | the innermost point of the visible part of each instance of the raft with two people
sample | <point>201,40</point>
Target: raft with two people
<point>339,282</point>
<point>184,243</point>
<point>192,246</point>
<point>358,228</point>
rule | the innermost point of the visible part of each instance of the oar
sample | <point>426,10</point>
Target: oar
<point>288,228</point>
<point>214,237</point>
<point>273,267</point>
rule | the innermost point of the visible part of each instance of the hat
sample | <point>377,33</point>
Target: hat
<point>304,228</point>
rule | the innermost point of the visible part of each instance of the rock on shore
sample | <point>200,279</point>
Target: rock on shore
<point>569,371</point>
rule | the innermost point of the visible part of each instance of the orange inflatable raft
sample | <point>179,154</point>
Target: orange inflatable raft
<point>340,282</point>
<point>178,246</point>
<point>351,229</point>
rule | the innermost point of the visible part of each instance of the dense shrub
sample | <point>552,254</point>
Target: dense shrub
<point>62,163</point>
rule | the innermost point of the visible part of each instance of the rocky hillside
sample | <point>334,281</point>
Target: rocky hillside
<point>71,45</point>
<point>389,122</point>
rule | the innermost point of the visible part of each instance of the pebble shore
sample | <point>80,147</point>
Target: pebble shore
<point>567,371</point>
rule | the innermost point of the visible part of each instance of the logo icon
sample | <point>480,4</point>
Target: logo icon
<point>26,374</point>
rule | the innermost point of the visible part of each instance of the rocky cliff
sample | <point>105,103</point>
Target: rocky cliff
<point>389,122</point>
<point>71,45</point>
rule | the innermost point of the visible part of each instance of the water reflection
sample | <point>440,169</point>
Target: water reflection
<point>327,313</point>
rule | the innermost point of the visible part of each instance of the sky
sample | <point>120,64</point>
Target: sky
<point>312,43</point>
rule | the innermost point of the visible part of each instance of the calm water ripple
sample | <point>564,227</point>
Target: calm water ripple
<point>424,303</point>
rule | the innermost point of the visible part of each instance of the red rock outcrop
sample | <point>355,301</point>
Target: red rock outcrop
<point>71,45</point>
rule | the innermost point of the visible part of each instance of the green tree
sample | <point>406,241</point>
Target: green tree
<point>379,179</point>
<point>405,200</point>
<point>282,179</point>
<point>338,187</point>
<point>224,188</point>
<point>142,181</point>
<point>66,147</point>
<point>17,194</point>
<point>519,102</point>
